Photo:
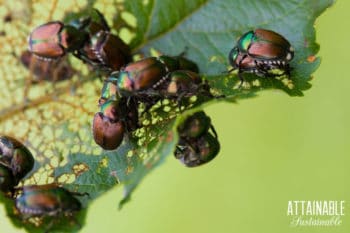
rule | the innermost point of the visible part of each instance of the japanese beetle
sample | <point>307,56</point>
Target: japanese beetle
<point>109,50</point>
<point>7,180</point>
<point>195,125</point>
<point>150,73</point>
<point>48,200</point>
<point>102,50</point>
<point>193,152</point>
<point>266,45</point>
<point>110,92</point>
<point>139,76</point>
<point>16,157</point>
<point>54,39</point>
<point>183,83</point>
<point>88,38</point>
<point>261,51</point>
<point>57,70</point>
<point>114,120</point>
<point>108,130</point>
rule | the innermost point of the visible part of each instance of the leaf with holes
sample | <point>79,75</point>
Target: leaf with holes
<point>50,108</point>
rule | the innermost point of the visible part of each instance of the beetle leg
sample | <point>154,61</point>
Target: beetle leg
<point>214,131</point>
<point>180,147</point>
<point>219,96</point>
<point>75,221</point>
<point>263,70</point>
<point>240,71</point>
<point>49,226</point>
<point>228,71</point>
<point>179,100</point>
<point>81,57</point>
<point>240,76</point>
<point>80,194</point>
<point>148,103</point>
<point>128,118</point>
<point>287,70</point>
<point>205,91</point>
<point>95,65</point>
<point>5,164</point>
<point>202,89</point>
<point>103,20</point>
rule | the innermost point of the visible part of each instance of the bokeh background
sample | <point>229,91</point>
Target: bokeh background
<point>275,148</point>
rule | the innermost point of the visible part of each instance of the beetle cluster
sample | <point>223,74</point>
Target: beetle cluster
<point>128,84</point>
<point>198,143</point>
<point>146,81</point>
<point>149,80</point>
<point>87,38</point>
<point>16,162</point>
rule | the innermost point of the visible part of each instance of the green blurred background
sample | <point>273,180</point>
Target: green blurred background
<point>274,148</point>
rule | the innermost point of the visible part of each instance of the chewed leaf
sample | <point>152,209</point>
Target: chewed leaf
<point>50,106</point>
<point>208,30</point>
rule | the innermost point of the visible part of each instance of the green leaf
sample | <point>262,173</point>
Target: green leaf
<point>54,118</point>
<point>209,30</point>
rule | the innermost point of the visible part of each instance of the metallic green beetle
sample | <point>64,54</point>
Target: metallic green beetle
<point>113,121</point>
<point>149,73</point>
<point>266,45</point>
<point>261,51</point>
<point>53,40</point>
<point>108,129</point>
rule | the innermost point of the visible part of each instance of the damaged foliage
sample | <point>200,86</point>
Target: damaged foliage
<point>52,116</point>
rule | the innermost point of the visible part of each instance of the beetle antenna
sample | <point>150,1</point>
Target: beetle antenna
<point>214,131</point>
<point>81,194</point>
<point>229,71</point>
